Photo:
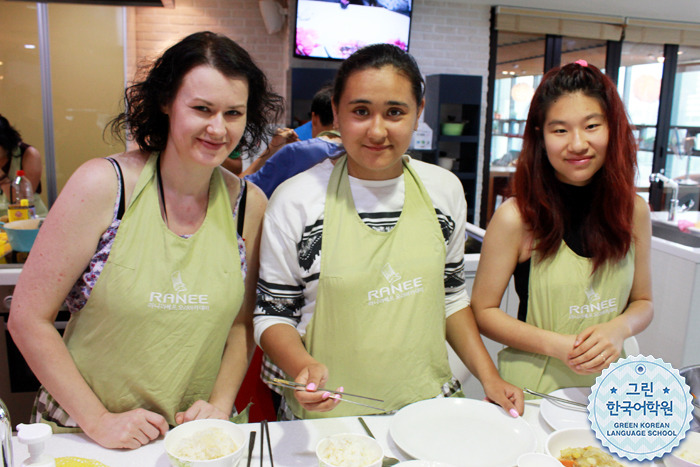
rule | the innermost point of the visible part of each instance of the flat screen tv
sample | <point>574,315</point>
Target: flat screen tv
<point>334,29</point>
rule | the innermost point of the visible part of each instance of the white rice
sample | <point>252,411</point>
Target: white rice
<point>346,452</point>
<point>207,444</point>
<point>691,456</point>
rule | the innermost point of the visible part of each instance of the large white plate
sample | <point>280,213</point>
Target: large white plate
<point>464,432</point>
<point>559,415</point>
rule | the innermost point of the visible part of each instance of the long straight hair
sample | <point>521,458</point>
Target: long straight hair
<point>608,229</point>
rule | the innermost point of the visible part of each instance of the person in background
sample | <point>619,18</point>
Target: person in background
<point>15,155</point>
<point>155,253</point>
<point>233,162</point>
<point>297,157</point>
<point>575,236</point>
<point>362,275</point>
<point>281,138</point>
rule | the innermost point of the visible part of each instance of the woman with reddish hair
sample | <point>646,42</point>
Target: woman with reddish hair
<point>575,236</point>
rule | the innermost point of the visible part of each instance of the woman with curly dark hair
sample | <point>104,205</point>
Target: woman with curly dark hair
<point>575,236</point>
<point>16,155</point>
<point>155,252</point>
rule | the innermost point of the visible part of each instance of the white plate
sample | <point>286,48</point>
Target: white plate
<point>464,432</point>
<point>423,464</point>
<point>559,415</point>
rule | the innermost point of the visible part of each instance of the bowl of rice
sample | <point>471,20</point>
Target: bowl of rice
<point>205,443</point>
<point>349,450</point>
<point>686,454</point>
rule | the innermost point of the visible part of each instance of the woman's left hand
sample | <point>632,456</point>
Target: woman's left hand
<point>596,348</point>
<point>199,410</point>
<point>506,395</point>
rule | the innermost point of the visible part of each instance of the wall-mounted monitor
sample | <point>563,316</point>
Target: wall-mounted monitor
<point>334,29</point>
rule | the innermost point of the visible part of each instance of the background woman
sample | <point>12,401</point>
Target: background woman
<point>575,236</point>
<point>15,155</point>
<point>156,251</point>
<point>361,259</point>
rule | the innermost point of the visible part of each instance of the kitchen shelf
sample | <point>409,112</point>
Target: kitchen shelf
<point>456,98</point>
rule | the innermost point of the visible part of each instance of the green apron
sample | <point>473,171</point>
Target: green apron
<point>152,333</point>
<point>565,298</point>
<point>379,320</point>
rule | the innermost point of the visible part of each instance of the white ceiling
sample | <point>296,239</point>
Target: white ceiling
<point>668,10</point>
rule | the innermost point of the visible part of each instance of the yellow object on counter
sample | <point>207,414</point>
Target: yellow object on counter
<point>5,247</point>
<point>78,462</point>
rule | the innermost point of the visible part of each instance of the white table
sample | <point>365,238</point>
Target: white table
<point>293,443</point>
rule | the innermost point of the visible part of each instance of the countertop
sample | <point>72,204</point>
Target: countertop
<point>293,442</point>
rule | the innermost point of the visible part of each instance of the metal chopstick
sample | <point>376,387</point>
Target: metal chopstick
<point>262,442</point>
<point>251,445</point>
<point>299,385</point>
<point>269,445</point>
<point>555,398</point>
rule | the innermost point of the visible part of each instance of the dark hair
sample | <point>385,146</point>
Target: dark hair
<point>321,104</point>
<point>143,116</point>
<point>9,137</point>
<point>379,56</point>
<point>608,233</point>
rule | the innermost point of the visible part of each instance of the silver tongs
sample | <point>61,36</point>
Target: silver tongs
<point>555,398</point>
<point>301,387</point>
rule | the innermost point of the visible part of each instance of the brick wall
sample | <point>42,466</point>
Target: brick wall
<point>446,37</point>
<point>155,29</point>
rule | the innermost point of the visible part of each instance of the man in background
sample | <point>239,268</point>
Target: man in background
<point>296,157</point>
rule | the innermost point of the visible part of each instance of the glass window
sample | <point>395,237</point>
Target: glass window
<point>683,157</point>
<point>639,84</point>
<point>520,62</point>
<point>20,74</point>
<point>591,50</point>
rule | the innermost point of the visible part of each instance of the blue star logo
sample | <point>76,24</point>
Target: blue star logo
<point>666,390</point>
<point>613,390</point>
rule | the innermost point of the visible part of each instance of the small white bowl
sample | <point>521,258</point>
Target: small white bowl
<point>690,443</point>
<point>175,437</point>
<point>349,442</point>
<point>537,459</point>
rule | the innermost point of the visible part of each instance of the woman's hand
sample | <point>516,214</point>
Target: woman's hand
<point>199,410</point>
<point>128,430</point>
<point>506,395</point>
<point>595,348</point>
<point>313,377</point>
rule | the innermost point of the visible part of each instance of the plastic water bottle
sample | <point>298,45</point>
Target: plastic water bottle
<point>22,206</point>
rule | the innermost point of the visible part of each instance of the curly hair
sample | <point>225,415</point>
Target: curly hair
<point>608,233</point>
<point>143,117</point>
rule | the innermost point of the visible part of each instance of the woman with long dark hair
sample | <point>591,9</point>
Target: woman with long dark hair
<point>575,236</point>
<point>155,253</point>
<point>16,155</point>
<point>362,260</point>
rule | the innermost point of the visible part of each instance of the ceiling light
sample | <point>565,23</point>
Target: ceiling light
<point>29,46</point>
<point>660,59</point>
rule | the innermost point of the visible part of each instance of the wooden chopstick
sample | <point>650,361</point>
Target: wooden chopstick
<point>299,385</point>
